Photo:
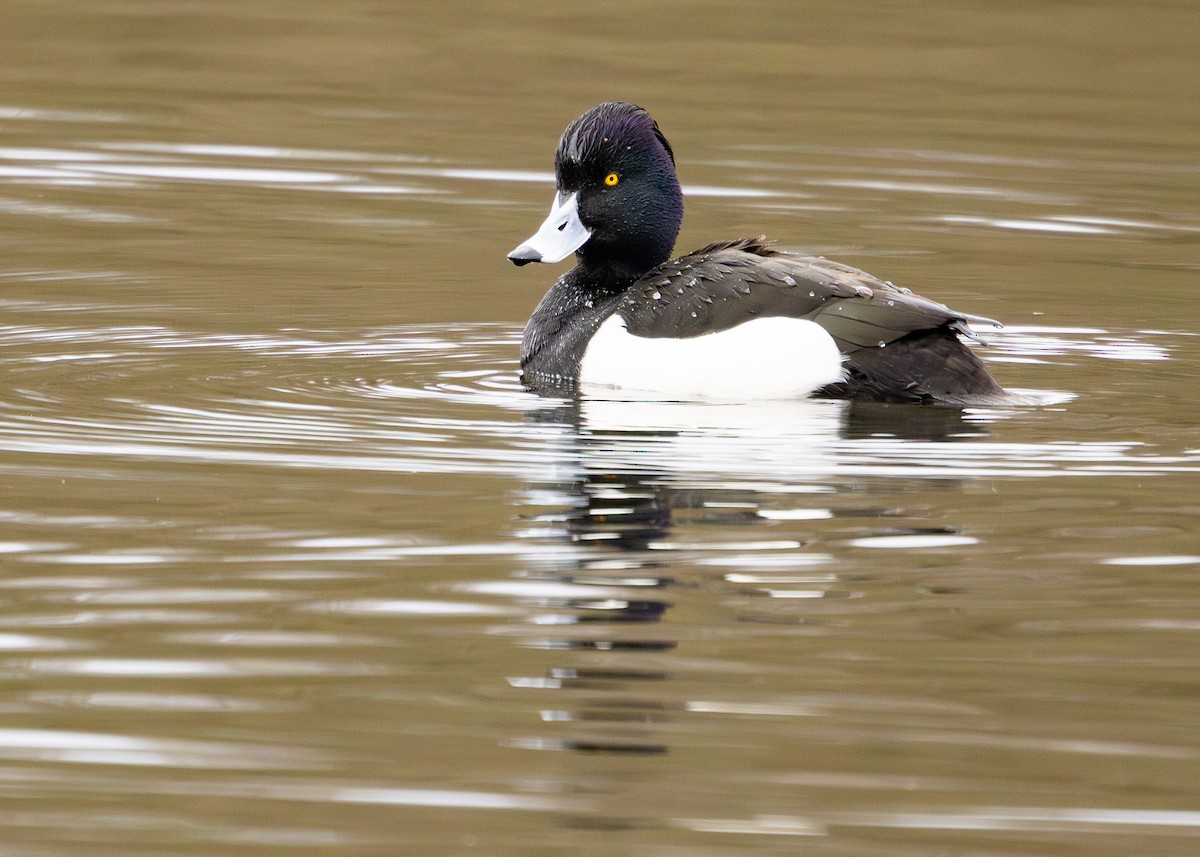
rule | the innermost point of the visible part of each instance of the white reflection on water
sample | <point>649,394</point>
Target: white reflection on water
<point>983,818</point>
<point>1050,224</point>
<point>217,174</point>
<point>541,589</point>
<point>1030,818</point>
<point>117,557</point>
<point>24,642</point>
<point>913,542</point>
<point>316,790</point>
<point>794,514</point>
<point>143,594</point>
<point>26,547</point>
<point>146,701</point>
<point>195,669</point>
<point>88,618</point>
<point>1178,559</point>
<point>382,795</point>
<point>69,212</point>
<point>1036,343</point>
<point>1067,224</point>
<point>409,607</point>
<point>108,749</point>
<point>21,112</point>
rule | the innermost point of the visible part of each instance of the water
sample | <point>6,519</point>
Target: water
<point>290,562</point>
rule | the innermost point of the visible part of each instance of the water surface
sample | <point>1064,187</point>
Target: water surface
<point>290,562</point>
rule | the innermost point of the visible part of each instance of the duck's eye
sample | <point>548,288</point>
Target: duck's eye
<point>611,179</point>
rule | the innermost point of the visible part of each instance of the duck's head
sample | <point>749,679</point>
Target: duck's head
<point>618,200</point>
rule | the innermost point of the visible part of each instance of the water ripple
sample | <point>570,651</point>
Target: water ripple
<point>966,179</point>
<point>108,749</point>
<point>321,410</point>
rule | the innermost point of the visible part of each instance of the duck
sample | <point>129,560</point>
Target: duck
<point>735,320</point>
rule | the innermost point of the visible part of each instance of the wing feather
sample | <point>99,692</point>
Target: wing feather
<point>725,284</point>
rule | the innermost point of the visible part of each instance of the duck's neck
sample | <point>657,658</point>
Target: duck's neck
<point>602,277</point>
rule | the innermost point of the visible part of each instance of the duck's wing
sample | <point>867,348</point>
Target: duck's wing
<point>722,285</point>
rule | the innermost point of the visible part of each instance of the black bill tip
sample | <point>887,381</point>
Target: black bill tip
<point>523,255</point>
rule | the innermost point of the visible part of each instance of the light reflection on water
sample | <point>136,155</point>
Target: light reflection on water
<point>323,421</point>
<point>119,164</point>
<point>102,749</point>
<point>661,547</point>
<point>635,515</point>
<point>944,175</point>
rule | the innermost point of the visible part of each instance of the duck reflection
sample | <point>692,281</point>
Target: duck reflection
<point>626,475</point>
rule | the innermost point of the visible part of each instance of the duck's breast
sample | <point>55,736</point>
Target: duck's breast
<point>762,358</point>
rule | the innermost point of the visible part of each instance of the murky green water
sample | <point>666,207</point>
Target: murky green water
<point>290,563</point>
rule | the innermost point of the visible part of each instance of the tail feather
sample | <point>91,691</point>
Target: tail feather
<point>927,365</point>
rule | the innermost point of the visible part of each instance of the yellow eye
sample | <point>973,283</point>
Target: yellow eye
<point>611,179</point>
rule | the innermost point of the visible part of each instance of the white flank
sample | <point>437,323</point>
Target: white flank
<point>765,358</point>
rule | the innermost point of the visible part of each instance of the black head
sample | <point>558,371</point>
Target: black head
<point>616,170</point>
